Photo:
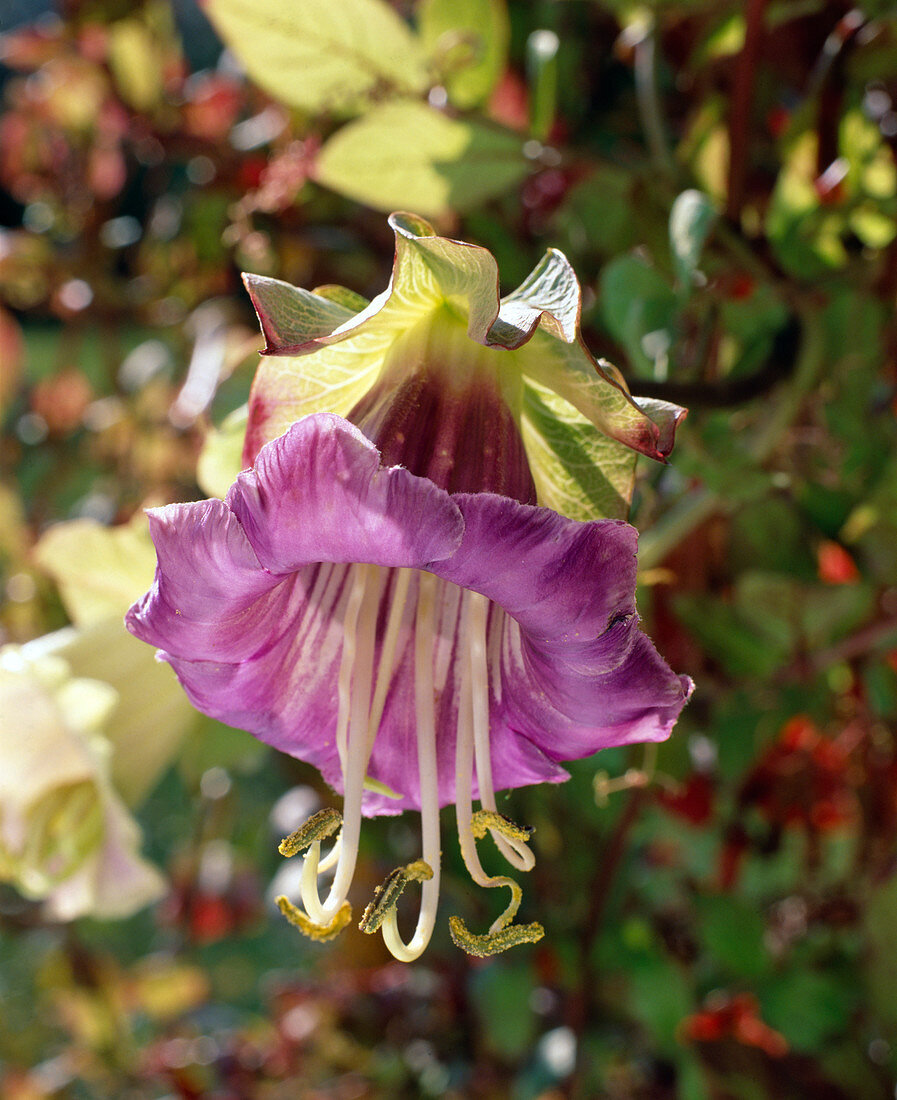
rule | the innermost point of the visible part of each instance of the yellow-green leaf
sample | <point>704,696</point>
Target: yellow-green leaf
<point>331,56</point>
<point>221,457</point>
<point>467,41</point>
<point>100,570</point>
<point>408,155</point>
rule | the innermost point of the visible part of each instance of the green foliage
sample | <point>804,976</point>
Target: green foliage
<point>732,932</point>
<point>638,308</point>
<point>691,219</point>
<point>467,42</point>
<point>339,57</point>
<point>406,154</point>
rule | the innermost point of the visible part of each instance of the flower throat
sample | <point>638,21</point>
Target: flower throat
<point>440,409</point>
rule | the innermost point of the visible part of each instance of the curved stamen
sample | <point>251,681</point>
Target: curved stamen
<point>513,847</point>
<point>502,934</point>
<point>332,857</point>
<point>320,932</point>
<point>355,679</point>
<point>320,825</point>
<point>463,786</point>
<point>425,715</point>
<point>387,894</point>
<point>493,942</point>
<point>484,821</point>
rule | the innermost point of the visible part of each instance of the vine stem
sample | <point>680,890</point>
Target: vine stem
<point>606,868</point>
<point>698,505</point>
<point>740,108</point>
<point>648,101</point>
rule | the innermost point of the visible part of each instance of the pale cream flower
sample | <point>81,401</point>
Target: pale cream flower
<point>66,837</point>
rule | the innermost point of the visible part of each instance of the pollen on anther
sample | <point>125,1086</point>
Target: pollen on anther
<point>320,825</point>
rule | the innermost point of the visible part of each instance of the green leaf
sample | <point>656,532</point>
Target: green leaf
<point>806,236</point>
<point>476,29</point>
<point>732,931</point>
<point>873,227</point>
<point>333,56</point>
<point>691,218</point>
<point>768,534</point>
<point>809,1007</point>
<point>659,997</point>
<point>501,996</point>
<point>638,307</point>
<point>600,212</point>
<point>409,155</point>
<point>734,643</point>
<point>787,611</point>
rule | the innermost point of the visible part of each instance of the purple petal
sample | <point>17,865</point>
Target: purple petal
<point>578,675</point>
<point>318,493</point>
<point>254,633</point>
<point>561,579</point>
<point>210,589</point>
<point>284,694</point>
<point>251,594</point>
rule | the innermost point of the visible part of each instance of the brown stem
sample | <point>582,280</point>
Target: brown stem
<point>829,79</point>
<point>881,633</point>
<point>740,108</point>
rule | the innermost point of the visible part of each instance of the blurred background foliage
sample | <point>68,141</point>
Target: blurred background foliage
<point>720,920</point>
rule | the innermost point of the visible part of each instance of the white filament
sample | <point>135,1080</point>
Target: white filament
<point>347,661</point>
<point>388,651</point>
<point>516,852</point>
<point>425,716</point>
<point>356,673</point>
<point>464,779</point>
<point>362,697</point>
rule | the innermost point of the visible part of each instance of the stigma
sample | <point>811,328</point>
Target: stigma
<point>404,627</point>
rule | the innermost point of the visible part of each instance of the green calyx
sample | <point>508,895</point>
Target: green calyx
<point>580,427</point>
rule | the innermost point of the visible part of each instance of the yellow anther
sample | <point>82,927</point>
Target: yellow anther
<point>502,934</point>
<point>320,825</point>
<point>493,942</point>
<point>320,932</point>
<point>485,820</point>
<point>387,894</point>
